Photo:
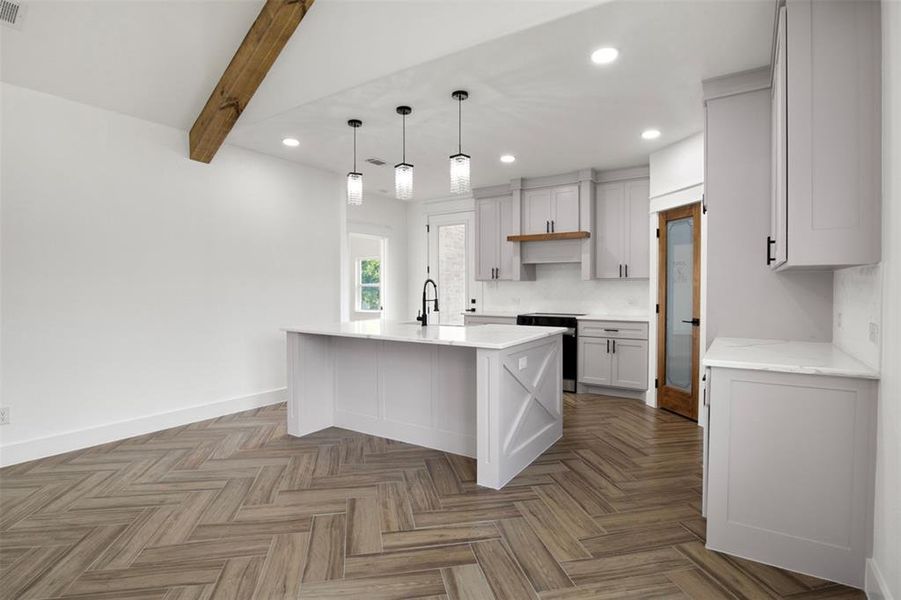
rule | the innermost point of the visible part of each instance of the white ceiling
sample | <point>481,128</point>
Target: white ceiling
<point>534,94</point>
<point>525,62</point>
<point>159,59</point>
<point>155,60</point>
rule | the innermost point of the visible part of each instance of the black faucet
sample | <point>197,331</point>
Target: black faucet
<point>423,315</point>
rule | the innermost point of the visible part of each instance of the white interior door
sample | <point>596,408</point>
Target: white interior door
<point>452,265</point>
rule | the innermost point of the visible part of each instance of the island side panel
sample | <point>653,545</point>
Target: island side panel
<point>520,407</point>
<point>310,383</point>
<point>422,394</point>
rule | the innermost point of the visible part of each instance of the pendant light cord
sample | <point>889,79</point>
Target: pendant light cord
<point>460,125</point>
<point>404,136</point>
<point>355,149</point>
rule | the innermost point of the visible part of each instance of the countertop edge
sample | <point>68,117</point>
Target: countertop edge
<point>552,331</point>
<point>796,369</point>
<point>722,354</point>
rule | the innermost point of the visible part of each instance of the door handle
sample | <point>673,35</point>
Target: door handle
<point>694,322</point>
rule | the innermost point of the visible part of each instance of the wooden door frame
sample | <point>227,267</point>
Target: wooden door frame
<point>681,212</point>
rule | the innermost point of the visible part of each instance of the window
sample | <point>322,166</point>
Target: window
<point>369,285</point>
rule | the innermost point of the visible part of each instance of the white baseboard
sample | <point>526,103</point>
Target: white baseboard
<point>18,452</point>
<point>874,583</point>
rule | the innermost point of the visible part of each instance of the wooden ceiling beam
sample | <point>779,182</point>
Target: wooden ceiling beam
<point>269,33</point>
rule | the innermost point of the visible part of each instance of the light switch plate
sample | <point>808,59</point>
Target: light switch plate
<point>523,362</point>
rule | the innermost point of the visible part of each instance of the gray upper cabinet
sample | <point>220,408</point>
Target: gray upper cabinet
<point>826,171</point>
<point>550,209</point>
<point>496,258</point>
<point>622,229</point>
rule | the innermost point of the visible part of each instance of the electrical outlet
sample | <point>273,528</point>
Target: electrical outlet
<point>4,415</point>
<point>523,362</point>
<point>874,333</point>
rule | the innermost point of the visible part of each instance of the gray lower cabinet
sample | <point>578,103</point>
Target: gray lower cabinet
<point>595,363</point>
<point>630,364</point>
<point>607,358</point>
<point>789,470</point>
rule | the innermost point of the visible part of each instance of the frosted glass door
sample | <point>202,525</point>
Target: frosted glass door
<point>679,306</point>
<point>680,302</point>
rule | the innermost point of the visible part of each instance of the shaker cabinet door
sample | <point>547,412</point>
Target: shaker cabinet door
<point>487,226</point>
<point>595,361</point>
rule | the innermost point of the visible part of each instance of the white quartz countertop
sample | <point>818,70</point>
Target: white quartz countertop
<point>490,336</point>
<point>614,317</point>
<point>785,357</point>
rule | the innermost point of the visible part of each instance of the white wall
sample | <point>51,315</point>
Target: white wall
<point>676,171</point>
<point>139,283</point>
<point>857,307</point>
<point>386,217</point>
<point>560,288</point>
<point>744,297</point>
<point>886,563</point>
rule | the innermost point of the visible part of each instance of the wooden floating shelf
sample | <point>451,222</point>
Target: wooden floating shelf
<point>544,237</point>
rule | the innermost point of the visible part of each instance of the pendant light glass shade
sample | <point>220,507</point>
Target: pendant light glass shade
<point>403,171</point>
<point>355,189</point>
<point>403,181</point>
<point>459,174</point>
<point>459,162</point>
<point>355,179</point>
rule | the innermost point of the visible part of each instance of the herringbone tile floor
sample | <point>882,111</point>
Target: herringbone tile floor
<point>235,508</point>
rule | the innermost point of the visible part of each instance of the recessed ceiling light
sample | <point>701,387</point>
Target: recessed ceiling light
<point>650,134</point>
<point>507,158</point>
<point>291,142</point>
<point>604,56</point>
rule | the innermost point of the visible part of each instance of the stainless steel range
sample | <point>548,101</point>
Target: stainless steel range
<point>570,345</point>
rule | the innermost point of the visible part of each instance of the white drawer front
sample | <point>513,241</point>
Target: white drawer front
<point>614,329</point>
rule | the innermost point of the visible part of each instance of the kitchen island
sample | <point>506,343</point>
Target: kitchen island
<point>489,392</point>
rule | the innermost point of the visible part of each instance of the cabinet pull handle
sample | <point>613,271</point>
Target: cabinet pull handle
<point>608,346</point>
<point>547,226</point>
<point>497,272</point>
<point>627,271</point>
<point>620,270</point>
<point>614,346</point>
<point>553,226</point>
<point>605,329</point>
<point>770,242</point>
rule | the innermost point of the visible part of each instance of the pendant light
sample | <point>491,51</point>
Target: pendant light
<point>403,172</point>
<point>355,179</point>
<point>459,162</point>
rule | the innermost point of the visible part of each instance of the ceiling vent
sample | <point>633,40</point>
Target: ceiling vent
<point>372,161</point>
<point>11,13</point>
